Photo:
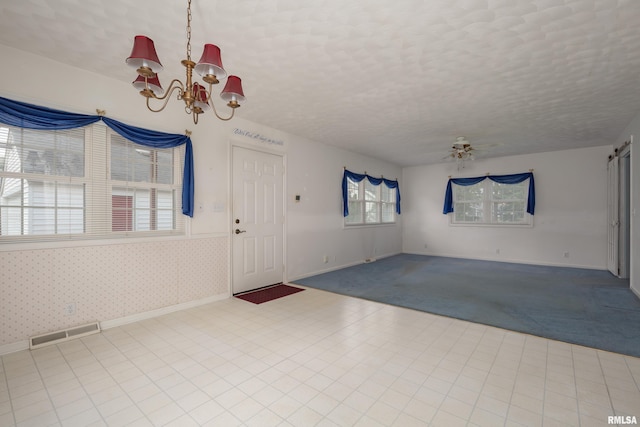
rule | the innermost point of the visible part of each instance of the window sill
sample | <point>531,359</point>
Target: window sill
<point>355,226</point>
<point>485,225</point>
<point>16,245</point>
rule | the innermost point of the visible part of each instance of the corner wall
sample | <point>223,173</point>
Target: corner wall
<point>571,211</point>
<point>316,225</point>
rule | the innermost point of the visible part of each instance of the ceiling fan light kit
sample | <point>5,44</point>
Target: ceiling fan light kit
<point>197,98</point>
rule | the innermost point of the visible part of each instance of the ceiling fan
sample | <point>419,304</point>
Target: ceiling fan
<point>461,150</point>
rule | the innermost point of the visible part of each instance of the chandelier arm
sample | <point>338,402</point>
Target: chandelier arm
<point>175,84</point>
<point>213,106</point>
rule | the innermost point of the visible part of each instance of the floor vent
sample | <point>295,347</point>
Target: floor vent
<point>64,335</point>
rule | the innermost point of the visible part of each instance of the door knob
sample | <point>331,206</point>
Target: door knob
<point>238,231</point>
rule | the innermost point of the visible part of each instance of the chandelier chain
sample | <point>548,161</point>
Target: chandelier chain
<point>189,31</point>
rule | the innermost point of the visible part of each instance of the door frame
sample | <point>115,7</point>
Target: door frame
<point>231,226</point>
<point>624,212</point>
<point>619,221</point>
<point>613,218</point>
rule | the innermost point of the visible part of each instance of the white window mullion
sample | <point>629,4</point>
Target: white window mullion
<point>178,172</point>
<point>488,201</point>
<point>98,206</point>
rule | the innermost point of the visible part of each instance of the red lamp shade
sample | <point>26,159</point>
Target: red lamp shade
<point>200,94</point>
<point>144,54</point>
<point>153,82</point>
<point>211,62</point>
<point>233,90</point>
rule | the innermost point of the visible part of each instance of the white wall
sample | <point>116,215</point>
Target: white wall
<point>570,216</point>
<point>632,131</point>
<point>314,225</point>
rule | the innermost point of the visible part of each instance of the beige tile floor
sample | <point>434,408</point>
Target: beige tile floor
<point>314,359</point>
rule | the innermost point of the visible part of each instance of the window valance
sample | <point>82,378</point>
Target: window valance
<point>501,179</point>
<point>30,116</point>
<point>357,177</point>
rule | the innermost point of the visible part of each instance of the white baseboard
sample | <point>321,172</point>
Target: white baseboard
<point>326,270</point>
<point>339,267</point>
<point>509,261</point>
<point>113,323</point>
<point>14,347</point>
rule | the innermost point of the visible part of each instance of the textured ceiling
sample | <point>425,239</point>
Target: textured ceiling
<point>397,80</point>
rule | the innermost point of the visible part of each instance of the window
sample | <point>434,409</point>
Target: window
<point>42,182</point>
<point>370,204</point>
<point>489,202</point>
<point>84,182</point>
<point>143,193</point>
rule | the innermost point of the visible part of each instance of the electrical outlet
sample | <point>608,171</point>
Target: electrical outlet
<point>70,309</point>
<point>325,259</point>
<point>566,255</point>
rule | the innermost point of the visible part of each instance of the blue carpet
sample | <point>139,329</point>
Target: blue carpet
<point>592,308</point>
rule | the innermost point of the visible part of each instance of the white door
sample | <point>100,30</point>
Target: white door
<point>613,216</point>
<point>258,219</point>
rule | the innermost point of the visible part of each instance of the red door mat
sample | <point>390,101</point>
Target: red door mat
<point>268,294</point>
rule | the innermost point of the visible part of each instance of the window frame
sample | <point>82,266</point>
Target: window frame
<point>374,199</point>
<point>488,202</point>
<point>42,180</point>
<point>153,186</point>
<point>97,184</point>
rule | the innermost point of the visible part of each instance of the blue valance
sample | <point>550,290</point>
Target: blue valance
<point>30,116</point>
<point>501,179</point>
<point>357,177</point>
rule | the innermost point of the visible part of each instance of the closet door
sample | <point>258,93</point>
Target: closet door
<point>613,219</point>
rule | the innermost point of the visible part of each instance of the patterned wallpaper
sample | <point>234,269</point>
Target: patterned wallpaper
<point>105,282</point>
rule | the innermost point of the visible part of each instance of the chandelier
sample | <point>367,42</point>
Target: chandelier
<point>197,98</point>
